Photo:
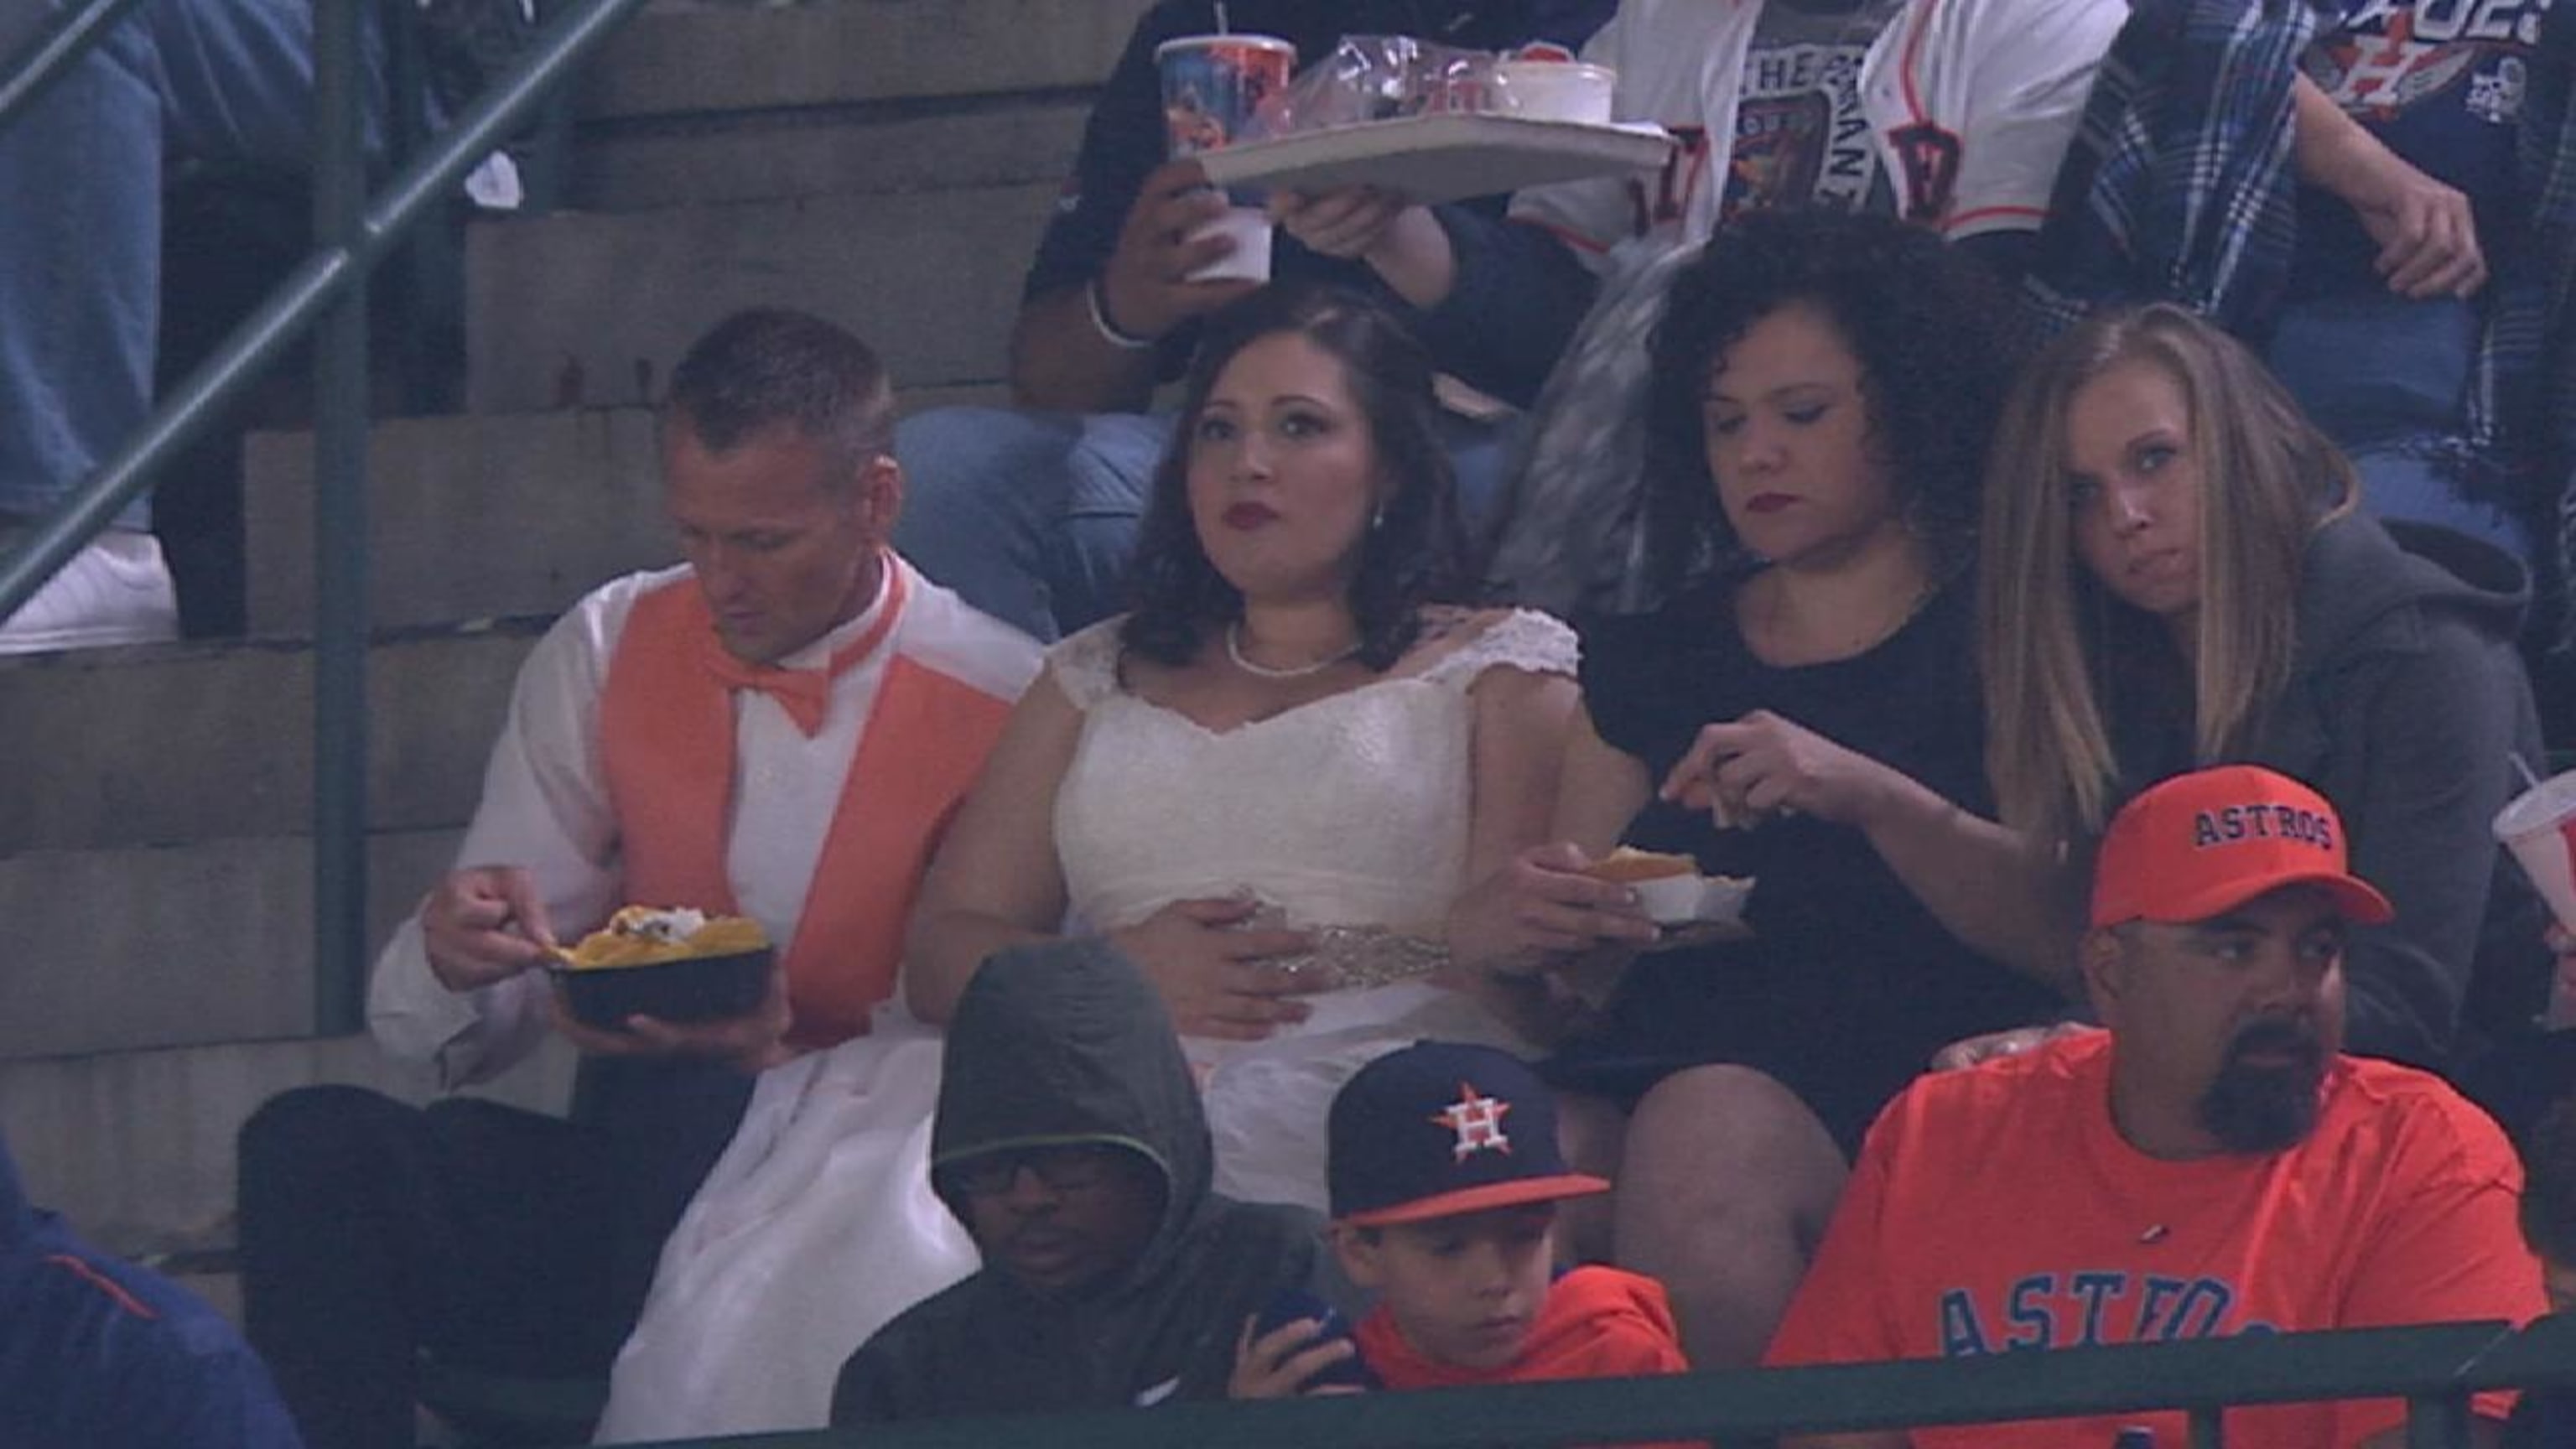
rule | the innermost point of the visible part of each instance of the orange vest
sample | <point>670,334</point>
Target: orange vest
<point>666,734</point>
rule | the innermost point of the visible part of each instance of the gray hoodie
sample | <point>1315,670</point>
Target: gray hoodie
<point>2406,701</point>
<point>1066,1042</point>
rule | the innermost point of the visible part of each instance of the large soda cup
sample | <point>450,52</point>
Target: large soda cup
<point>1212,85</point>
<point>2539,827</point>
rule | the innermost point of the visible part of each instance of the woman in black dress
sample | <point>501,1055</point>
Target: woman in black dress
<point>1802,709</point>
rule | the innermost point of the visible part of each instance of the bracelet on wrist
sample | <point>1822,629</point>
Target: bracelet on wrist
<point>1094,302</point>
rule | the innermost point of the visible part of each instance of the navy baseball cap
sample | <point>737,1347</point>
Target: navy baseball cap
<point>1437,1129</point>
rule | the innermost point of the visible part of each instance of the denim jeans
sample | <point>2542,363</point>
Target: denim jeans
<point>2388,379</point>
<point>1030,516</point>
<point>80,214</point>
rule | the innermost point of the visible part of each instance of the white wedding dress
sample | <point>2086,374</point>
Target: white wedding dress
<point>1350,815</point>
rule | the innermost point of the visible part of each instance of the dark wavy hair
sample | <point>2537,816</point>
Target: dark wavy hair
<point>1415,554</point>
<point>1934,336</point>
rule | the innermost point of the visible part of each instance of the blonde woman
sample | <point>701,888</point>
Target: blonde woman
<point>2175,575</point>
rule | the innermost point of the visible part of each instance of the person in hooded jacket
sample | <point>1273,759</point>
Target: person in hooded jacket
<point>1070,1142</point>
<point>2177,573</point>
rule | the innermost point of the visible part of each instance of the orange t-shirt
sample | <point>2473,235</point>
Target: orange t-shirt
<point>1999,1209</point>
<point>1597,1323</point>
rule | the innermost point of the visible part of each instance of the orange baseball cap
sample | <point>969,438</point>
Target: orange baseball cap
<point>2197,845</point>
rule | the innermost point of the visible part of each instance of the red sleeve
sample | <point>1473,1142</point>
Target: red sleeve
<point>1839,1315</point>
<point>1628,1327</point>
<point>2445,1246</point>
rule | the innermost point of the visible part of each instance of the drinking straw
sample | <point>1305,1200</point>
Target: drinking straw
<point>1222,28</point>
<point>2522,767</point>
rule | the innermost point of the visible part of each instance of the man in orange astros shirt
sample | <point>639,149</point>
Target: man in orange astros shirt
<point>2210,1166</point>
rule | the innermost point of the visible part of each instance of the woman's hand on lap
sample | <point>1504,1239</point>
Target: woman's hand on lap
<point>1217,979</point>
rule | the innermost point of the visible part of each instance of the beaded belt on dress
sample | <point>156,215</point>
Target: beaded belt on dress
<point>1352,956</point>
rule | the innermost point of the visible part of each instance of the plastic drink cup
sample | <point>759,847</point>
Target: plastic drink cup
<point>1212,85</point>
<point>2539,827</point>
<point>1558,90</point>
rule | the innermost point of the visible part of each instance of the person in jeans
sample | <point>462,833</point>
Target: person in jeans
<point>1030,511</point>
<point>80,288</point>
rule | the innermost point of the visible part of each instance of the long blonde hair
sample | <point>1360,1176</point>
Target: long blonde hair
<point>2269,479</point>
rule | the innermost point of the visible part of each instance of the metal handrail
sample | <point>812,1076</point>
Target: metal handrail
<point>2434,1367</point>
<point>47,57</point>
<point>352,240</point>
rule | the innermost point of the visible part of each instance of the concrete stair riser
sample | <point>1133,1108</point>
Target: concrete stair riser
<point>136,1148</point>
<point>636,166</point>
<point>479,516</point>
<point>182,945</point>
<point>714,57</point>
<point>593,310</point>
<point>471,516</point>
<point>208,744</point>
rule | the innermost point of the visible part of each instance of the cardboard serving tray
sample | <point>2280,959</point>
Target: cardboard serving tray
<point>1441,158</point>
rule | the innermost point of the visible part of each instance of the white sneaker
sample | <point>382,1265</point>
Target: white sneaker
<point>115,591</point>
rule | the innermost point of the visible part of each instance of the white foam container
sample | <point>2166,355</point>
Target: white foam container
<point>1554,90</point>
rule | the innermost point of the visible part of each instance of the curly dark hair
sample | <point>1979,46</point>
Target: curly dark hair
<point>1415,554</point>
<point>1932,331</point>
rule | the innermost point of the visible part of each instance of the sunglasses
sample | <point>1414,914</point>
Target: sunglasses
<point>1072,1169</point>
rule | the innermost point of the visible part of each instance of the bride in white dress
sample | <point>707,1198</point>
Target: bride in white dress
<point>1265,785</point>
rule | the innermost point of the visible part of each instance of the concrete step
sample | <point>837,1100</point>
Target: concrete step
<point>657,162</point>
<point>696,104</point>
<point>470,516</point>
<point>202,745</point>
<point>141,947</point>
<point>717,57</point>
<point>479,515</point>
<point>593,309</point>
<point>136,1148</point>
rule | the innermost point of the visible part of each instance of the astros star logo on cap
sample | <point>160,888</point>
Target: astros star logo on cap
<point>1421,1133</point>
<point>1478,1121</point>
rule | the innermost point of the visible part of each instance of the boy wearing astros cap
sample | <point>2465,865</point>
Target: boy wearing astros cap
<point>2211,1165</point>
<point>1444,1176</point>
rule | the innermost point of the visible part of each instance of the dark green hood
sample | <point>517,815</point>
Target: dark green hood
<point>1067,1042</point>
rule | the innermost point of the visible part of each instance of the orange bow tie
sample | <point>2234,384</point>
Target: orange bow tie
<point>806,694</point>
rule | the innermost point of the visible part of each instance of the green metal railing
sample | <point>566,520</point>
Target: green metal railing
<point>47,56</point>
<point>353,233</point>
<point>2435,1368</point>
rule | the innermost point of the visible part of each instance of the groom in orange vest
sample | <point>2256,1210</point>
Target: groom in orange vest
<point>778,728</point>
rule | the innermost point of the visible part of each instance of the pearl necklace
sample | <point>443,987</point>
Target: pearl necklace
<point>1234,651</point>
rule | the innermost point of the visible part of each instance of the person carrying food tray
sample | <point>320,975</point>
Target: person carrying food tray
<point>1031,511</point>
